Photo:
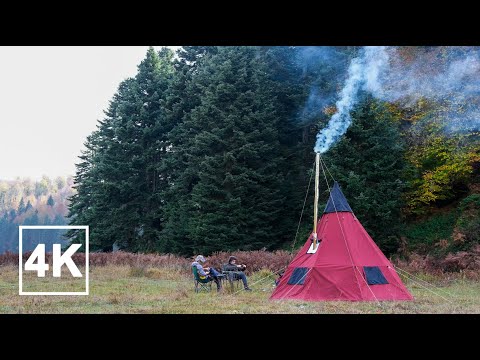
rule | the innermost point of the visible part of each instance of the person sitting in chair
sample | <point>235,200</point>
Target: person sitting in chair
<point>208,272</point>
<point>238,271</point>
<point>277,280</point>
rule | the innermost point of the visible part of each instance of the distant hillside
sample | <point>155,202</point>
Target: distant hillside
<point>28,202</point>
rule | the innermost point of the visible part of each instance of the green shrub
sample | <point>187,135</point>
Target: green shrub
<point>467,227</point>
<point>423,235</point>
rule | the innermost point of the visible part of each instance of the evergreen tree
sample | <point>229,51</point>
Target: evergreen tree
<point>154,78</point>
<point>306,80</point>
<point>29,206</point>
<point>50,201</point>
<point>210,152</point>
<point>368,163</point>
<point>21,207</point>
<point>12,215</point>
<point>231,156</point>
<point>98,180</point>
<point>291,89</point>
<point>183,96</point>
<point>82,209</point>
<point>119,177</point>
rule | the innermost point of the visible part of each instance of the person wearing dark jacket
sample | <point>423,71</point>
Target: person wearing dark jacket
<point>277,280</point>
<point>238,271</point>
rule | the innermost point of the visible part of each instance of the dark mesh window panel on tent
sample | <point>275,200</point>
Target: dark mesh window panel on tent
<point>298,276</point>
<point>374,275</point>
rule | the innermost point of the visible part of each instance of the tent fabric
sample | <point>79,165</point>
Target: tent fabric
<point>336,201</point>
<point>336,271</point>
<point>374,275</point>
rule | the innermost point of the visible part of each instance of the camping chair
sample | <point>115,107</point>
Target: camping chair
<point>200,284</point>
<point>232,278</point>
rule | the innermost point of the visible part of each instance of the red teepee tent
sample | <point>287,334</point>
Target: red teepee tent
<point>347,264</point>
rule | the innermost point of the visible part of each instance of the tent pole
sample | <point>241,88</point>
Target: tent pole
<point>315,205</point>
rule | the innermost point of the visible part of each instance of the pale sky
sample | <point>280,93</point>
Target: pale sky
<point>51,99</point>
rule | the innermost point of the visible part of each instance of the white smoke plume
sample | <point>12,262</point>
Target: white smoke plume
<point>454,80</point>
<point>364,72</point>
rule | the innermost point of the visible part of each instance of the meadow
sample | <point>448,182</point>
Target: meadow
<point>168,289</point>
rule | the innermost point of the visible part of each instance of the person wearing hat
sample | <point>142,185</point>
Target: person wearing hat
<point>208,272</point>
<point>238,271</point>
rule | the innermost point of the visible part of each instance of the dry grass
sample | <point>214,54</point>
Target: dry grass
<point>149,289</point>
<point>466,263</point>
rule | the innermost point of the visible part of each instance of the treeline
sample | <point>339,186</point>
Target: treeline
<point>212,150</point>
<point>28,202</point>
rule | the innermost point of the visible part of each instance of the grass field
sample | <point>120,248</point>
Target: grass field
<point>125,289</point>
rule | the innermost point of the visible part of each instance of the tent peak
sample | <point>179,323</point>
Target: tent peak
<point>337,201</point>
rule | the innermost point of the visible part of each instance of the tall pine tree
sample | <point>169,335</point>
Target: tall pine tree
<point>50,201</point>
<point>231,156</point>
<point>182,97</point>
<point>368,163</point>
<point>21,207</point>
<point>118,179</point>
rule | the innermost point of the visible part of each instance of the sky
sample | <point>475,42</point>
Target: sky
<point>50,101</point>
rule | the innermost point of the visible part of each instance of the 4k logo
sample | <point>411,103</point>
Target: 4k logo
<point>58,260</point>
<point>36,261</point>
